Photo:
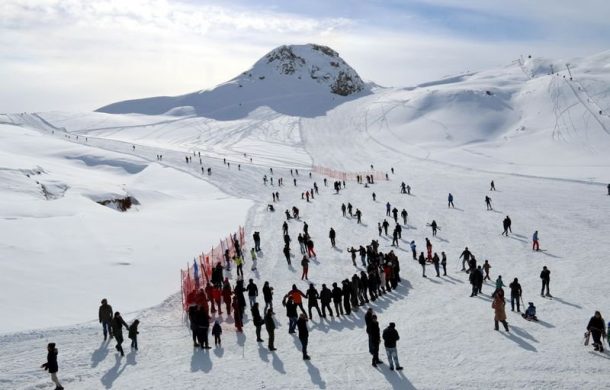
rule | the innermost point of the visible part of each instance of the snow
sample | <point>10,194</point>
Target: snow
<point>538,136</point>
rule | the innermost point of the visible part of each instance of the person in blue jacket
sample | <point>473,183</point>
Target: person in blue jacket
<point>535,243</point>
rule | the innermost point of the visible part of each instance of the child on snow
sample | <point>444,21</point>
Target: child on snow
<point>133,334</point>
<point>217,331</point>
<point>51,365</point>
<point>530,312</point>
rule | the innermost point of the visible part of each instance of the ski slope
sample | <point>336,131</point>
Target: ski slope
<point>445,136</point>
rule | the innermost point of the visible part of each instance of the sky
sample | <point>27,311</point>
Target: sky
<point>73,55</point>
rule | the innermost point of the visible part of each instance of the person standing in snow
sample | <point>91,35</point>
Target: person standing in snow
<point>436,261</point>
<point>337,294</point>
<point>257,241</point>
<point>488,202</point>
<point>515,295</point>
<point>305,266</point>
<point>404,215</point>
<point>270,326</point>
<point>303,334</point>
<point>254,259</point>
<point>117,330</point>
<point>434,227</point>
<point>390,337</point>
<point>268,296</point>
<point>492,187</point>
<point>257,321</point>
<point>597,327</point>
<point>105,317</point>
<point>500,314</point>
<point>486,268</point>
<point>465,256</point>
<point>545,275</point>
<point>444,263</point>
<point>217,331</point>
<point>450,200</point>
<point>374,197</point>
<point>429,249</point>
<point>133,334</point>
<point>388,209</point>
<point>358,216</point>
<point>413,249</point>
<point>499,286</point>
<point>252,292</point>
<point>422,262</point>
<point>343,208</point>
<point>52,366</point>
<point>374,339</point>
<point>332,235</point>
<point>535,243</point>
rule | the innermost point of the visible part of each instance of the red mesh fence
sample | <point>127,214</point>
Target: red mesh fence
<point>343,175</point>
<point>199,272</point>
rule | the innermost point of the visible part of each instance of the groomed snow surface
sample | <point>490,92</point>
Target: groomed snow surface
<point>61,252</point>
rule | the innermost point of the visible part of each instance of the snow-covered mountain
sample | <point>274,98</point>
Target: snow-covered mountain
<point>298,80</point>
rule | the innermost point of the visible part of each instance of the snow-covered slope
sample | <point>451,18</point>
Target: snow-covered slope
<point>296,80</point>
<point>539,136</point>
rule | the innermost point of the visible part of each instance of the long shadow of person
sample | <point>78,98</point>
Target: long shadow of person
<point>200,361</point>
<point>314,373</point>
<point>99,354</point>
<point>111,375</point>
<point>397,379</point>
<point>263,353</point>
<point>278,364</point>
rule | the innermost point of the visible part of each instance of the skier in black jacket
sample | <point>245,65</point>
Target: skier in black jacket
<point>545,275</point>
<point>515,294</point>
<point>52,366</point>
<point>374,340</point>
<point>597,327</point>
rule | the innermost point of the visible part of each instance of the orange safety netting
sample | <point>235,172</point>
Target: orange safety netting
<point>199,272</point>
<point>342,175</point>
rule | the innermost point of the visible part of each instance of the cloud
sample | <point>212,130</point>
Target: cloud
<point>79,55</point>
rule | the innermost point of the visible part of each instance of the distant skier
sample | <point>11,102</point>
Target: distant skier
<point>434,227</point>
<point>343,208</point>
<point>507,226</point>
<point>500,313</point>
<point>332,235</point>
<point>52,366</point>
<point>488,202</point>
<point>450,200</point>
<point>535,242</point>
<point>388,209</point>
<point>374,197</point>
<point>545,275</point>
<point>358,216</point>
<point>395,214</point>
<point>444,263</point>
<point>413,249</point>
<point>515,295</point>
<point>597,327</point>
<point>492,186</point>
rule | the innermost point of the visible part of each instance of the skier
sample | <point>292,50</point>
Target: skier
<point>597,328</point>
<point>488,202</point>
<point>450,201</point>
<point>390,337</point>
<point>216,332</point>
<point>404,215</point>
<point>349,209</point>
<point>332,236</point>
<point>422,262</point>
<point>535,243</point>
<point>343,208</point>
<point>444,263</point>
<point>530,312</point>
<point>413,249</point>
<point>359,216</point>
<point>117,330</point>
<point>500,314</point>
<point>408,189</point>
<point>395,214</point>
<point>374,197</point>
<point>310,250</point>
<point>105,317</point>
<point>465,256</point>
<point>507,226</point>
<point>545,275</point>
<point>434,227</point>
<point>388,209</point>
<point>395,237</point>
<point>515,294</point>
<point>385,225</point>
<point>303,334</point>
<point>257,320</point>
<point>52,366</point>
<point>374,339</point>
<point>403,189</point>
<point>492,187</point>
<point>270,326</point>
<point>133,334</point>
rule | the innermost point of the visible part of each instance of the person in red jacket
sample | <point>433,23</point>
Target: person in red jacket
<point>297,297</point>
